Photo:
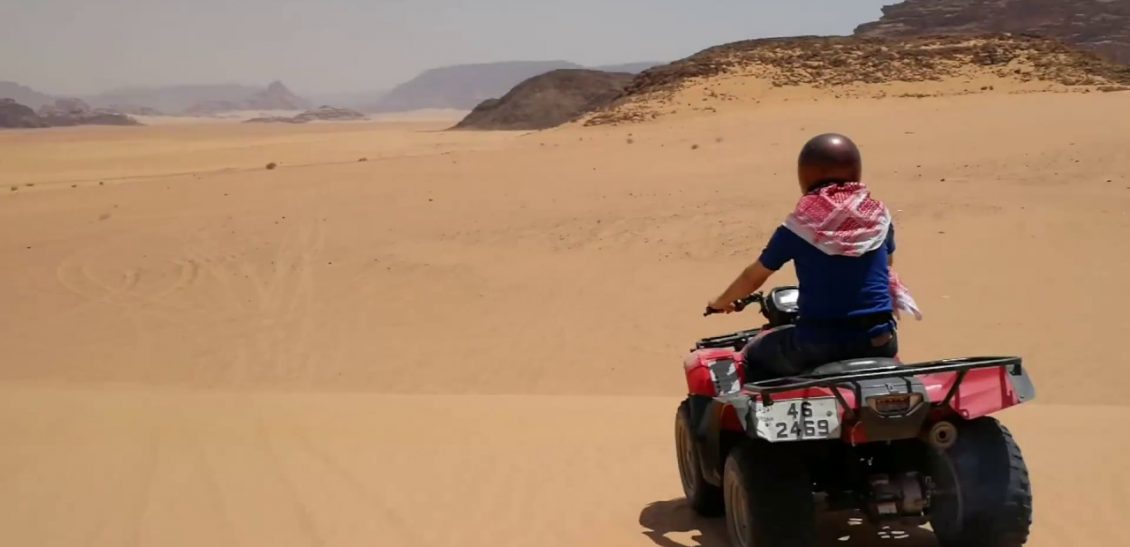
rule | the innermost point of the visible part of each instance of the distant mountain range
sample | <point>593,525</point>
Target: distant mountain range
<point>460,87</point>
<point>200,99</point>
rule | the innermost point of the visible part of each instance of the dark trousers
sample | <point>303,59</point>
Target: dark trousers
<point>784,351</point>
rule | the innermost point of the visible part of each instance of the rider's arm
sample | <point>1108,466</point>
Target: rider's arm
<point>777,252</point>
<point>751,279</point>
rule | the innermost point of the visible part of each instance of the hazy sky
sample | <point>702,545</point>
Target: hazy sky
<point>77,46</point>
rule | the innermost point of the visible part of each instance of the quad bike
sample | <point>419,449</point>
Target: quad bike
<point>906,444</point>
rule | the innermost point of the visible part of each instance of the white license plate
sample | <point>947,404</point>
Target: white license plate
<point>798,420</point>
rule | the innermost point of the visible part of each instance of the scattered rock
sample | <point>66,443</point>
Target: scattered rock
<point>270,166</point>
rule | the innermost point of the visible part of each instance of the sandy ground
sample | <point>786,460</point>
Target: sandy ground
<point>475,339</point>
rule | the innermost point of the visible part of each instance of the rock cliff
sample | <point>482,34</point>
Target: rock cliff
<point>1100,26</point>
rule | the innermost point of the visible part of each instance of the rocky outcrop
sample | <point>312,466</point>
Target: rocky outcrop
<point>330,114</point>
<point>65,112</point>
<point>16,115</point>
<point>322,113</point>
<point>133,110</point>
<point>62,113</point>
<point>836,63</point>
<point>65,108</point>
<point>1100,26</point>
<point>547,100</point>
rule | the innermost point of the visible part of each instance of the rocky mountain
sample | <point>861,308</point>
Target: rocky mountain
<point>462,87</point>
<point>16,115</point>
<point>24,95</point>
<point>1100,26</point>
<point>62,112</point>
<point>276,97</point>
<point>547,100</point>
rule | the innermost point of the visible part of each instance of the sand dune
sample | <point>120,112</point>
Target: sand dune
<point>474,339</point>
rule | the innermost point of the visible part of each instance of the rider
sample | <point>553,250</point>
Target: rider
<point>842,242</point>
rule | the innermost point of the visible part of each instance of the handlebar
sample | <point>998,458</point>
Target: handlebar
<point>740,304</point>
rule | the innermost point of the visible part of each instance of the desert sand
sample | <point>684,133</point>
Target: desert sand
<point>475,339</point>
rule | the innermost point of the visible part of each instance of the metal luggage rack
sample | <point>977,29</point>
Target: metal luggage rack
<point>850,380</point>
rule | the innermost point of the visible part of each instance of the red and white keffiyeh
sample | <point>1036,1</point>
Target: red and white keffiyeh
<point>844,220</point>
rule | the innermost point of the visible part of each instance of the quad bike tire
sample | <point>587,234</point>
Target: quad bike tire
<point>984,496</point>
<point>769,498</point>
<point>703,497</point>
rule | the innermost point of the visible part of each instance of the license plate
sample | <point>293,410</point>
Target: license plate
<point>798,420</point>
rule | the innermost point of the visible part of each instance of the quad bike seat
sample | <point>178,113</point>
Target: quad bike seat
<point>854,365</point>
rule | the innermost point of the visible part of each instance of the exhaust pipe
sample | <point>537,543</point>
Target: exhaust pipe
<point>941,435</point>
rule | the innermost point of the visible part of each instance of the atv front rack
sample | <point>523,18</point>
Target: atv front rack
<point>851,380</point>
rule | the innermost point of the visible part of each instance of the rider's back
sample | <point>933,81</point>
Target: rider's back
<point>834,288</point>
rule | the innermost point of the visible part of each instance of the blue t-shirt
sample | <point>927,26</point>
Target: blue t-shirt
<point>834,287</point>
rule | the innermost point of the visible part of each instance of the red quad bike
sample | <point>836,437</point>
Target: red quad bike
<point>902,444</point>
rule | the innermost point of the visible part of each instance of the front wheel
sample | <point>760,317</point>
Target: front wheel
<point>983,496</point>
<point>769,500</point>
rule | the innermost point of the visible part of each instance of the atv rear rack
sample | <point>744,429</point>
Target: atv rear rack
<point>850,380</point>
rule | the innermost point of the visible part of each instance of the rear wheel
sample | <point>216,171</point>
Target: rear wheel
<point>704,498</point>
<point>769,499</point>
<point>983,496</point>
